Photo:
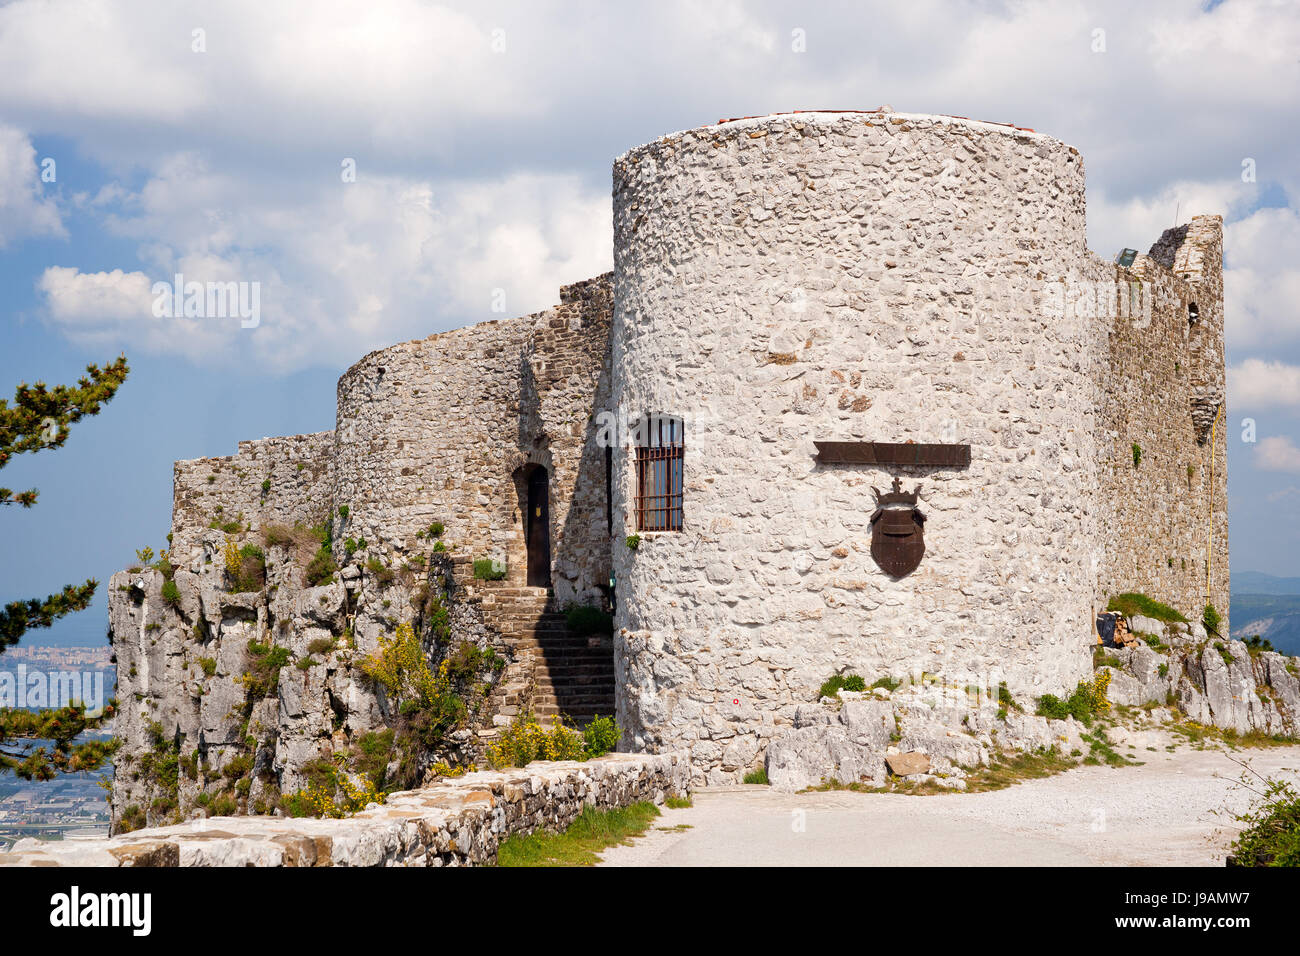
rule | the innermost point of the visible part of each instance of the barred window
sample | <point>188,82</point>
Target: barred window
<point>659,455</point>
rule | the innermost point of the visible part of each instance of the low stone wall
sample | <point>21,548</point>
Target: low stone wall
<point>457,823</point>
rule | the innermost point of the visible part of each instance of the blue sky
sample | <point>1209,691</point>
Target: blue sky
<point>210,140</point>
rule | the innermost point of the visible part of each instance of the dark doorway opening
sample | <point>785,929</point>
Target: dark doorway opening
<point>538,528</point>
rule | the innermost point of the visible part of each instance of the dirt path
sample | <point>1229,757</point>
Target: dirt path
<point>1157,814</point>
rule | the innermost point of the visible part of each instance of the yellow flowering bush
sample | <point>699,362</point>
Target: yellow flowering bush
<point>525,740</point>
<point>234,560</point>
<point>332,792</point>
<point>401,666</point>
<point>1098,690</point>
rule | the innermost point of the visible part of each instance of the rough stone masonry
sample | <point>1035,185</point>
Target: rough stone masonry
<point>860,277</point>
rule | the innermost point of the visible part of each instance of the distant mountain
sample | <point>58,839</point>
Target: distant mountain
<point>1272,616</point>
<point>1256,582</point>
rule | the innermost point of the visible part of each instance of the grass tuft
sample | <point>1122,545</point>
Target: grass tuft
<point>591,833</point>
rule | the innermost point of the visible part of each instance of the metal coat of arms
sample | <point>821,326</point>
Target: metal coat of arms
<point>897,533</point>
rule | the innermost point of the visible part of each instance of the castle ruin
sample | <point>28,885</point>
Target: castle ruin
<point>805,309</point>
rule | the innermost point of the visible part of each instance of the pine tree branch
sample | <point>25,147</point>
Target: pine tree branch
<point>60,727</point>
<point>20,616</point>
<point>40,415</point>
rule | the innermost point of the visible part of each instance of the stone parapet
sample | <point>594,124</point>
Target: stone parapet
<point>457,823</point>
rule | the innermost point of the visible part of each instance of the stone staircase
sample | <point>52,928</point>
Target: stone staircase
<point>561,674</point>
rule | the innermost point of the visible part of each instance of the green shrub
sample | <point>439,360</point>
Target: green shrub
<point>263,675</point>
<point>585,619</point>
<point>633,541</point>
<point>1271,836</point>
<point>343,512</point>
<point>837,682</point>
<point>1131,604</point>
<point>1211,620</point>
<point>600,736</point>
<point>321,568</point>
<point>1088,700</point>
<point>171,594</point>
<point>209,665</point>
<point>372,754</point>
<point>1256,644</point>
<point>249,570</point>
<point>525,740</point>
<point>266,486</point>
<point>757,776</point>
<point>1137,454</point>
<point>436,529</point>
<point>383,574</point>
<point>486,569</point>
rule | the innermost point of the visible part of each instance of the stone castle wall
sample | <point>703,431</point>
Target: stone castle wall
<point>300,469</point>
<point>841,277</point>
<point>437,430</point>
<point>1161,386</point>
<point>441,430</point>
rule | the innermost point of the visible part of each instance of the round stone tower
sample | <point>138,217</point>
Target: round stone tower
<point>855,278</point>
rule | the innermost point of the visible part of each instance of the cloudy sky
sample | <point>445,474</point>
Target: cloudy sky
<point>143,139</point>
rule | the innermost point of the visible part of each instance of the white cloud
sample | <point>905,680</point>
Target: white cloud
<point>87,299</point>
<point>1137,222</point>
<point>1261,285</point>
<point>1255,383</point>
<point>482,169</point>
<point>1278,453</point>
<point>342,268</point>
<point>24,210</point>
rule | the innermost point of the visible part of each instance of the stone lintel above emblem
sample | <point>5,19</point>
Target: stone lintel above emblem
<point>934,455</point>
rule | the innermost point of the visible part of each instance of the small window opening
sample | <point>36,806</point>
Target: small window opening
<point>659,477</point>
<point>1193,315</point>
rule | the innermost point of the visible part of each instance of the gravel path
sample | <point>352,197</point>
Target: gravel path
<point>1157,814</point>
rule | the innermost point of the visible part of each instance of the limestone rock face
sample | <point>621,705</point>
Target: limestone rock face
<point>227,697</point>
<point>853,738</point>
<point>810,756</point>
<point>1215,682</point>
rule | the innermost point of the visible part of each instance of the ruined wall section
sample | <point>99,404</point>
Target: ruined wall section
<point>849,277</point>
<point>442,430</point>
<point>569,371</point>
<point>1160,389</point>
<point>298,472</point>
<point>424,429</point>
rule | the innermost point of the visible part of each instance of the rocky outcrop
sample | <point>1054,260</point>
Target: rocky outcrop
<point>229,697</point>
<point>926,733</point>
<point>1215,681</point>
<point>456,823</point>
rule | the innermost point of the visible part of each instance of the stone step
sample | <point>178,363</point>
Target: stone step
<point>587,703</point>
<point>578,683</point>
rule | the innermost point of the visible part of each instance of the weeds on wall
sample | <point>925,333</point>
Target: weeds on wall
<point>1088,701</point>
<point>1132,604</point>
<point>1211,620</point>
<point>525,740</point>
<point>487,569</point>
<point>427,703</point>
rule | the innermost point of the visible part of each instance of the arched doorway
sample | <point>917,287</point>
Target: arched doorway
<point>537,527</point>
